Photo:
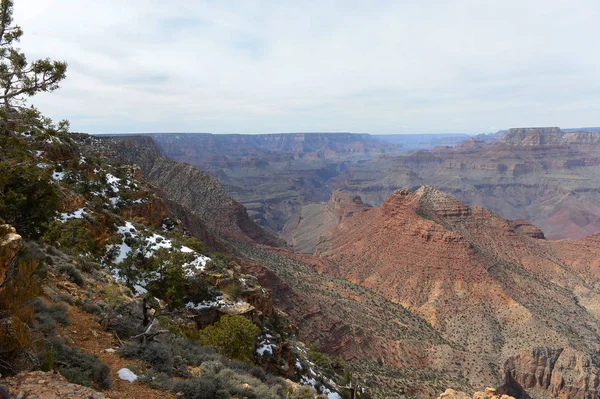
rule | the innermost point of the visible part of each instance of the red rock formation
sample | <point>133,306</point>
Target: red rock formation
<point>492,285</point>
<point>151,211</point>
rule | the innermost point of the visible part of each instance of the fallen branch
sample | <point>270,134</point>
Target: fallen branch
<point>149,335</point>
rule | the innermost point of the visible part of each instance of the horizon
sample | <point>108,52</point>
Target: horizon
<point>386,68</point>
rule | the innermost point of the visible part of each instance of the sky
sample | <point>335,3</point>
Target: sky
<point>387,67</point>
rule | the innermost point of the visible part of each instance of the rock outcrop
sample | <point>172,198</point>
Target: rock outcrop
<point>560,372</point>
<point>40,385</point>
<point>489,393</point>
<point>10,244</point>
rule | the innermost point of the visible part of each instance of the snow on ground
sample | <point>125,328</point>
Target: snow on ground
<point>42,165</point>
<point>123,249</point>
<point>127,375</point>
<point>157,241</point>
<point>185,249</point>
<point>323,389</point>
<point>217,303</point>
<point>198,264</point>
<point>308,381</point>
<point>265,345</point>
<point>139,290</point>
<point>78,214</point>
<point>128,228</point>
<point>58,175</point>
<point>113,182</point>
<point>49,140</point>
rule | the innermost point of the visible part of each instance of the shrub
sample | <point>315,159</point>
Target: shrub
<point>72,274</point>
<point>73,236</point>
<point>80,367</point>
<point>198,290</point>
<point>16,317</point>
<point>199,388</point>
<point>28,199</point>
<point>125,320</point>
<point>48,317</point>
<point>233,336</point>
<point>169,279</point>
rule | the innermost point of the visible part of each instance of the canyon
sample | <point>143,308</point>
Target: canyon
<point>423,281</point>
<point>545,175</point>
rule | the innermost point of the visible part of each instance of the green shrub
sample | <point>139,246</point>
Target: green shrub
<point>72,236</point>
<point>80,367</point>
<point>72,274</point>
<point>28,199</point>
<point>233,336</point>
<point>198,388</point>
<point>49,316</point>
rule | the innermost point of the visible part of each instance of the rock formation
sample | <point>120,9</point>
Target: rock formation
<point>10,244</point>
<point>489,393</point>
<point>37,384</point>
<point>544,175</point>
<point>492,286</point>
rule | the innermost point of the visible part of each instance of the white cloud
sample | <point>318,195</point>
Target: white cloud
<point>251,66</point>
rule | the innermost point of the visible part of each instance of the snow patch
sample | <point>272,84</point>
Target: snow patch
<point>127,375</point>
<point>113,182</point>
<point>265,345</point>
<point>157,241</point>
<point>78,214</point>
<point>198,264</point>
<point>217,303</point>
<point>58,176</point>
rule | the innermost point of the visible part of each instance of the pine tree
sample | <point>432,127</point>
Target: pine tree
<point>18,78</point>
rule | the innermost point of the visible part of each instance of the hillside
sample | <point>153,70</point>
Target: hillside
<point>191,192</point>
<point>105,286</point>
<point>491,286</point>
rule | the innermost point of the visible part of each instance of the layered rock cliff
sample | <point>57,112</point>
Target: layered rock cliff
<point>492,286</point>
<point>544,175</point>
<point>187,190</point>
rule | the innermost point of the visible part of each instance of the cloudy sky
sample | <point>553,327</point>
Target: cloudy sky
<point>298,66</point>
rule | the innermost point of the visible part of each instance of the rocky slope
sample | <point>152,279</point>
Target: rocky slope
<point>189,192</point>
<point>273,175</point>
<point>419,294</point>
<point>492,286</point>
<point>544,175</point>
<point>94,294</point>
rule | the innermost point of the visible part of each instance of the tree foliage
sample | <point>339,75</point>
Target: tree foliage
<point>233,336</point>
<point>19,78</point>
<point>28,199</point>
